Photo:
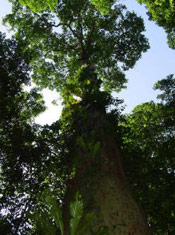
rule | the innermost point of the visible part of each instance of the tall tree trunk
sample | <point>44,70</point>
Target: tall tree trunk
<point>109,207</point>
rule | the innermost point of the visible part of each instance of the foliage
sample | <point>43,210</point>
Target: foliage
<point>149,146</point>
<point>163,12</point>
<point>103,5</point>
<point>76,211</point>
<point>39,5</point>
<point>57,50</point>
<point>168,87</point>
<point>54,213</point>
<point>5,227</point>
<point>25,149</point>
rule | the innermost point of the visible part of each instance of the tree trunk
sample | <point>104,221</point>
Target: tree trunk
<point>108,206</point>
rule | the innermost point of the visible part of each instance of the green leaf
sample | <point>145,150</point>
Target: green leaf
<point>172,213</point>
<point>76,211</point>
<point>81,142</point>
<point>96,148</point>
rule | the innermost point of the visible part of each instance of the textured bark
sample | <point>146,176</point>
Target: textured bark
<point>101,181</point>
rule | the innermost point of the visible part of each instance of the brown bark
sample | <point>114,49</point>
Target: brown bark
<point>104,189</point>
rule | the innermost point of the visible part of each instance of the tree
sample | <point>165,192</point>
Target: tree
<point>163,13</point>
<point>84,56</point>
<point>148,143</point>
<point>24,147</point>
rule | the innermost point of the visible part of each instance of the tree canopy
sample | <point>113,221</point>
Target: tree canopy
<point>162,11</point>
<point>64,178</point>
<point>78,38</point>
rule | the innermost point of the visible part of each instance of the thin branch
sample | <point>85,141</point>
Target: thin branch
<point>56,25</point>
<point>76,35</point>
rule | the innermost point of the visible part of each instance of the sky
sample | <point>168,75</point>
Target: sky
<point>155,64</point>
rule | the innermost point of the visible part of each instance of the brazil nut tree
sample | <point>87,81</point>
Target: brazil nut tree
<point>83,54</point>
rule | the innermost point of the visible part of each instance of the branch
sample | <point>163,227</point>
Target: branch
<point>76,35</point>
<point>56,25</point>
